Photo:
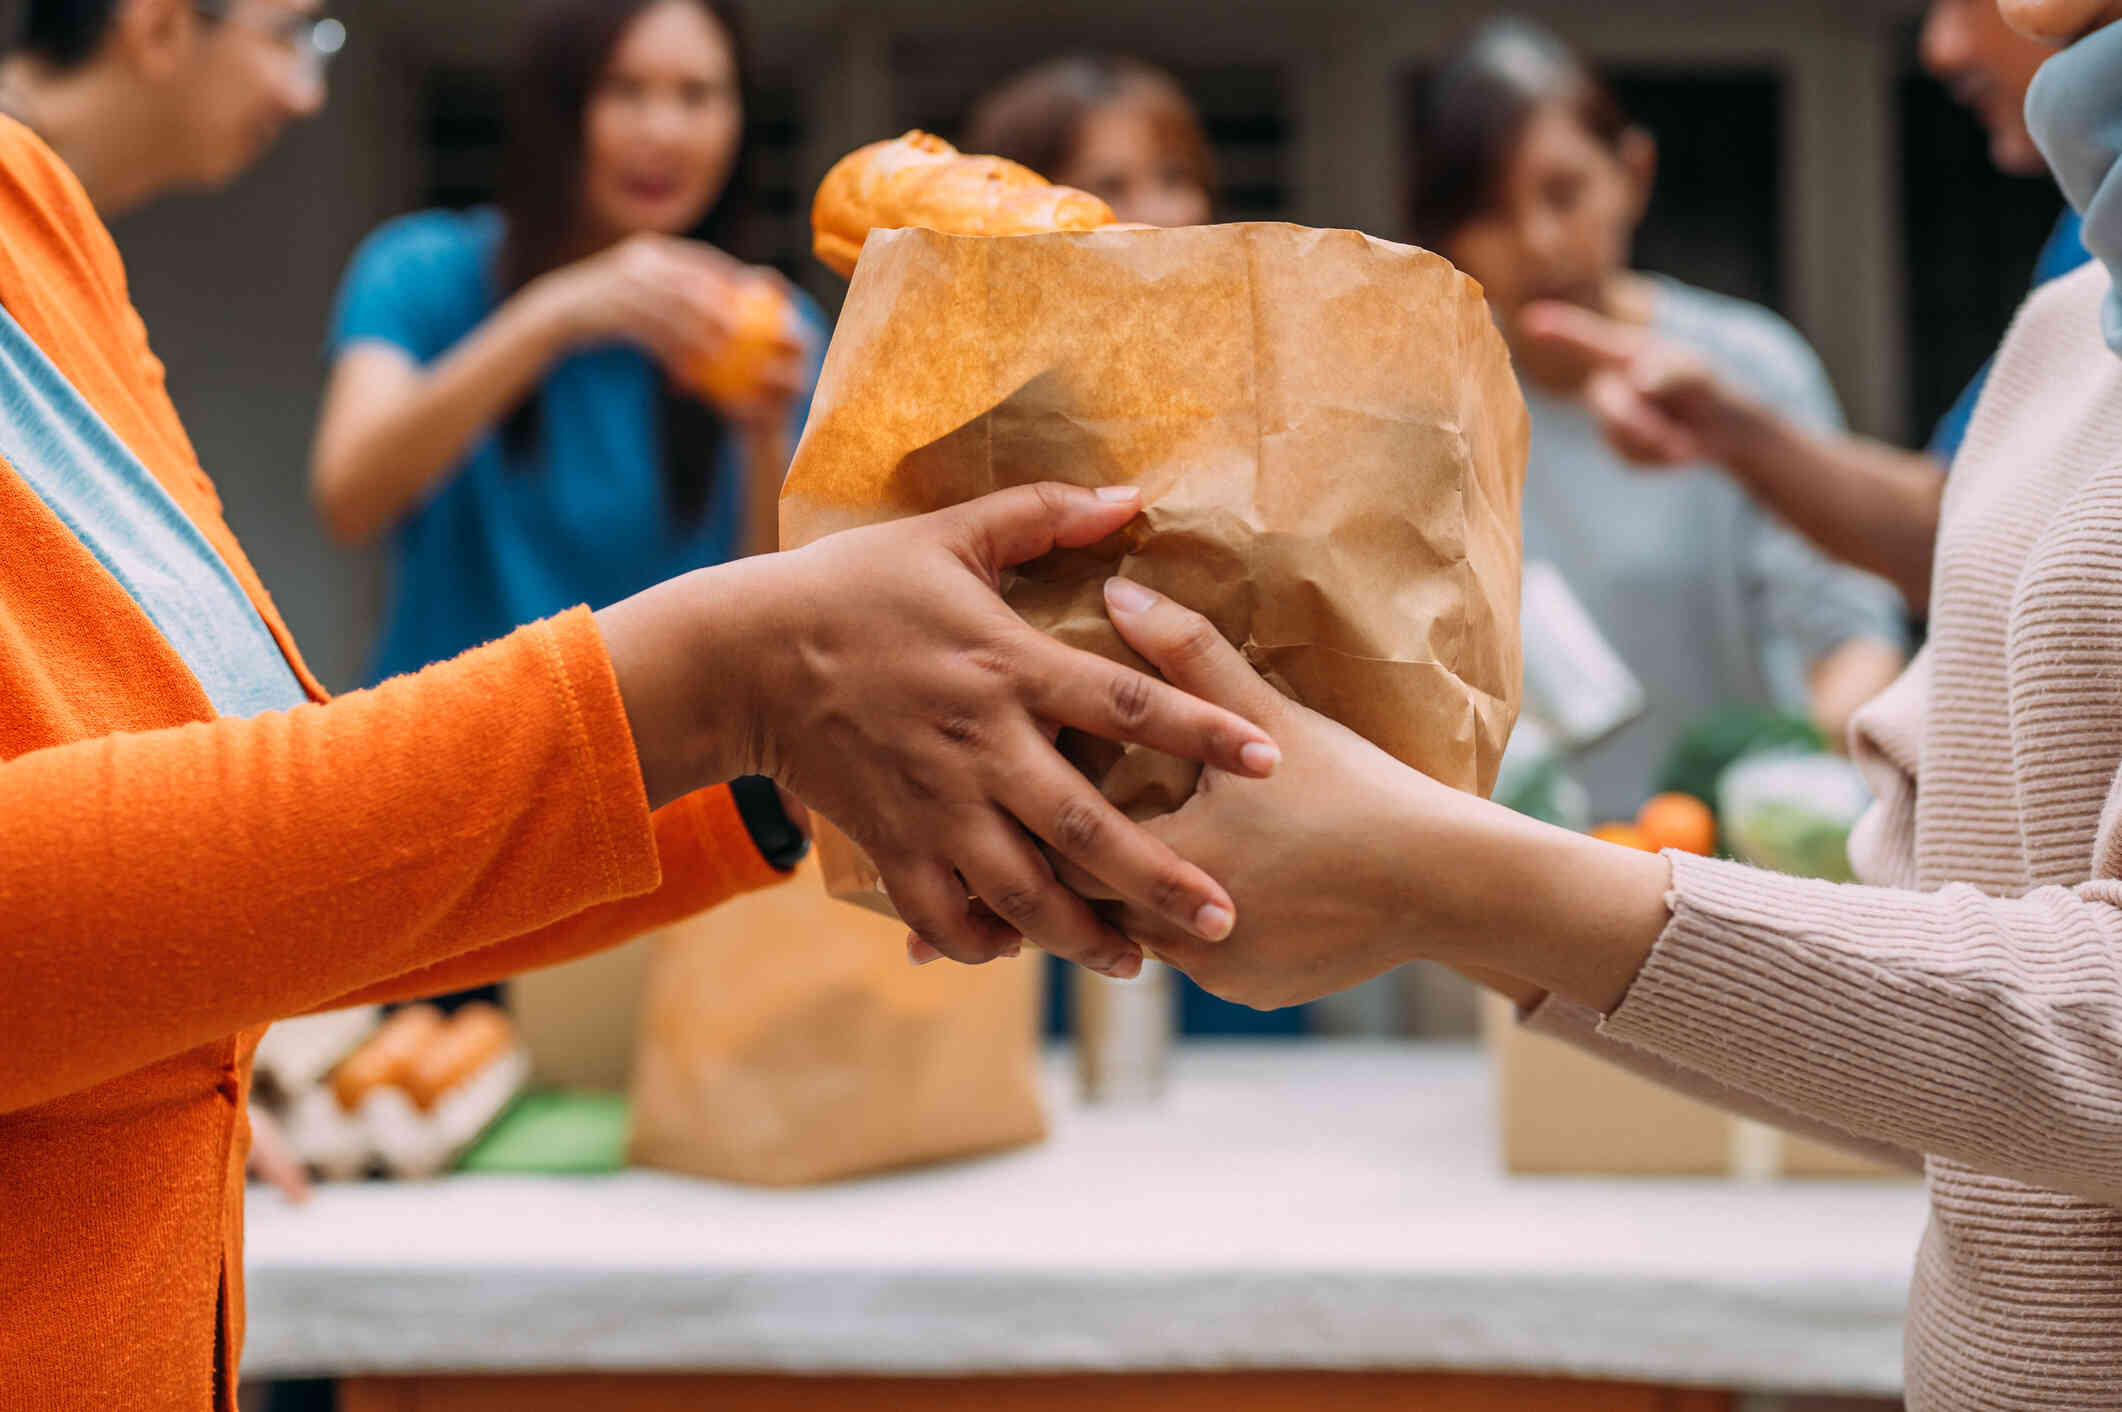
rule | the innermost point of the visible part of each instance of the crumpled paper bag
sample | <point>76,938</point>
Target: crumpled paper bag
<point>784,1040</point>
<point>1325,428</point>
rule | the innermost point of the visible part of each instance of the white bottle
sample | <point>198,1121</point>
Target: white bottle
<point>1124,1032</point>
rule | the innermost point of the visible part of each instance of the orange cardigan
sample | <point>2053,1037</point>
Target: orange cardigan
<point>170,882</point>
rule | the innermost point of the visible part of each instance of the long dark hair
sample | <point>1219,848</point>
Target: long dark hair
<point>1473,108</point>
<point>566,45</point>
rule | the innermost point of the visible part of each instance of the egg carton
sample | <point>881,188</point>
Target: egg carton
<point>390,1134</point>
<point>358,1093</point>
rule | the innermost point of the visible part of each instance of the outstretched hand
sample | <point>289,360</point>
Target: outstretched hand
<point>1348,862</point>
<point>879,675</point>
<point>1312,855</point>
<point>1657,404</point>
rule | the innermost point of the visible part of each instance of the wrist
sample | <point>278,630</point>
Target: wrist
<point>1742,435</point>
<point>740,639</point>
<point>549,317</point>
<point>756,637</point>
<point>1565,912</point>
<point>674,649</point>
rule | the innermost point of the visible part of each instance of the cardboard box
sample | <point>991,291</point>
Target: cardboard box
<point>1560,1110</point>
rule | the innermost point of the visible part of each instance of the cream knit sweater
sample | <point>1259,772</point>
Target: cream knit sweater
<point>1968,1005</point>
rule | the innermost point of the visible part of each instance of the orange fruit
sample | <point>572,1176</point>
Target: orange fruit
<point>1678,821</point>
<point>759,332</point>
<point>1627,835</point>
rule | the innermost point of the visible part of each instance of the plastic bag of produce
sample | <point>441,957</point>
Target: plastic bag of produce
<point>1792,812</point>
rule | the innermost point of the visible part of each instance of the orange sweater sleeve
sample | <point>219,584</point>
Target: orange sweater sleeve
<point>707,856</point>
<point>160,889</point>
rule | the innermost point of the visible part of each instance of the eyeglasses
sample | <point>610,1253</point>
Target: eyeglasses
<point>310,40</point>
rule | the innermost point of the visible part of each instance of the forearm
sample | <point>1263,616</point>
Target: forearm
<point>1812,997</point>
<point>1578,1027</point>
<point>1955,1023</point>
<point>707,857</point>
<point>1536,909</point>
<point>373,464</point>
<point>163,888</point>
<point>1866,503</point>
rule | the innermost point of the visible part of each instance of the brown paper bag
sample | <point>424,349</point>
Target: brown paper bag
<point>1325,427</point>
<point>784,1039</point>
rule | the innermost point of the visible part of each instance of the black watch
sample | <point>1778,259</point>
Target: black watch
<point>775,835</point>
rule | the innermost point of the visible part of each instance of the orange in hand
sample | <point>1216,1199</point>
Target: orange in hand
<point>761,330</point>
<point>1678,821</point>
<point>1627,835</point>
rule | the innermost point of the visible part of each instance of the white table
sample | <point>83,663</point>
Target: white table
<point>1292,1206</point>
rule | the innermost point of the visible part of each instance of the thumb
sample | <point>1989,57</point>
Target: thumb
<point>1186,648</point>
<point>1011,526</point>
<point>1592,338</point>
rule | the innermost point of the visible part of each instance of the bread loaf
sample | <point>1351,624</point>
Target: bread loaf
<point>921,180</point>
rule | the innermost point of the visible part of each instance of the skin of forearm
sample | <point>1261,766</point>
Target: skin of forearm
<point>379,466</point>
<point>1526,908</point>
<point>1864,502</point>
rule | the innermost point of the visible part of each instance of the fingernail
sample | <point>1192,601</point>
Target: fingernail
<point>920,952</point>
<point>1260,757</point>
<point>1214,921</point>
<point>1127,596</point>
<point>1011,952</point>
<point>1126,968</point>
<point>1118,492</point>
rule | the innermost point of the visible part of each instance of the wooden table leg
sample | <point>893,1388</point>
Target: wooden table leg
<point>1161,1392</point>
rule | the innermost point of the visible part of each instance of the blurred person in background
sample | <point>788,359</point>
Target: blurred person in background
<point>1531,179</point>
<point>144,97</point>
<point>509,403</point>
<point>1116,127</point>
<point>508,399</point>
<point>1125,131</point>
<point>1866,502</point>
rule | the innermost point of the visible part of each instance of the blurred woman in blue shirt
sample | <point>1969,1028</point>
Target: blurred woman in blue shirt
<point>508,402</point>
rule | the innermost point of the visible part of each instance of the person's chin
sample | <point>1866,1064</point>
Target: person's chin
<point>659,217</point>
<point>223,171</point>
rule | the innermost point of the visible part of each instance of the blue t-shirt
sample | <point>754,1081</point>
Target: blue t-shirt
<point>2063,252</point>
<point>496,545</point>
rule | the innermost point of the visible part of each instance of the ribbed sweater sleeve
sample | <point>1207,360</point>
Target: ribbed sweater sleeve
<point>1579,1025</point>
<point>1983,1029</point>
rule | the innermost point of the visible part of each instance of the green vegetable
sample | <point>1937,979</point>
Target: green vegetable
<point>1711,746</point>
<point>1792,838</point>
<point>554,1130</point>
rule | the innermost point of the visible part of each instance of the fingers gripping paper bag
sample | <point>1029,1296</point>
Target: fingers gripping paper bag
<point>1325,428</point>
